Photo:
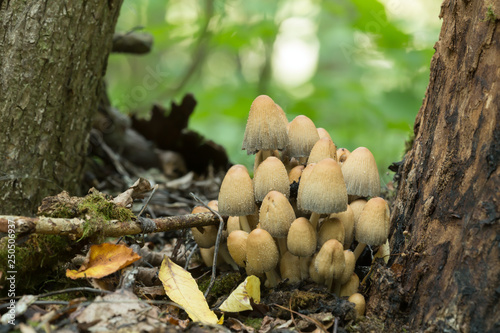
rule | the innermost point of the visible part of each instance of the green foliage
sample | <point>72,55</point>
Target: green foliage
<point>366,87</point>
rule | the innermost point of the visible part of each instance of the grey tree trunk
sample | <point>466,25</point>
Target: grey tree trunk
<point>444,273</point>
<point>53,55</point>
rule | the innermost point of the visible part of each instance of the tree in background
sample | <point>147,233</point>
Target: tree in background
<point>53,56</point>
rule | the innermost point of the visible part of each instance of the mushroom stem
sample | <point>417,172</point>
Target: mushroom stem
<point>358,250</point>
<point>244,224</point>
<point>266,154</point>
<point>304,268</point>
<point>336,288</point>
<point>314,220</point>
<point>224,253</point>
<point>272,277</point>
<point>282,246</point>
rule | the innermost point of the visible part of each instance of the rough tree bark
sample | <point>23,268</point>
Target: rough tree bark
<point>53,55</point>
<point>444,275</point>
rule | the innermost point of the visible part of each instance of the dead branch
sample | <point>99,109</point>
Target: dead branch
<point>75,227</point>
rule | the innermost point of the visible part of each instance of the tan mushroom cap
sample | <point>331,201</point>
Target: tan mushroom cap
<point>350,287</point>
<point>270,176</point>
<point>359,303</point>
<point>237,246</point>
<point>347,219</point>
<point>323,148</point>
<point>302,135</point>
<point>301,239</point>
<point>350,264</point>
<point>290,267</point>
<point>323,133</point>
<point>295,174</point>
<point>361,173</point>
<point>357,207</point>
<point>266,126</point>
<point>262,252</point>
<point>373,224</point>
<point>342,154</point>
<point>330,261</point>
<point>259,158</point>
<point>236,197</point>
<point>322,190</point>
<point>331,228</point>
<point>207,238</point>
<point>276,214</point>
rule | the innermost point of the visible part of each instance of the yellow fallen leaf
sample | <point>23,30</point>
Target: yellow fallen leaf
<point>104,259</point>
<point>182,289</point>
<point>239,300</point>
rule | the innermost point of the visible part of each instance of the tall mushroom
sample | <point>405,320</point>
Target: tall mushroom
<point>236,197</point>
<point>323,148</point>
<point>361,174</point>
<point>301,242</point>
<point>372,227</point>
<point>270,176</point>
<point>330,264</point>
<point>266,127</point>
<point>302,135</point>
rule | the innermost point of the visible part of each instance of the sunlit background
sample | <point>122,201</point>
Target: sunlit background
<point>357,68</point>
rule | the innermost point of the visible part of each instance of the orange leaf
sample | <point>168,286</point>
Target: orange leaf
<point>104,259</point>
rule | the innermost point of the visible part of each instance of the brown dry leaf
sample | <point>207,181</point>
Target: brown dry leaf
<point>183,290</point>
<point>104,259</point>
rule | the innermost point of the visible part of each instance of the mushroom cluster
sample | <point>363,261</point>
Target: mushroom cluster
<point>307,205</point>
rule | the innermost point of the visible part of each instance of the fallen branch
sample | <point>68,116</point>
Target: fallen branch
<point>74,227</point>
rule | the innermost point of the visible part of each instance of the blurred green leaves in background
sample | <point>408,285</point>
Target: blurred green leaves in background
<point>358,68</point>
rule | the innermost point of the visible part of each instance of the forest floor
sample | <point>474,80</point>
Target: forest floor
<point>134,298</point>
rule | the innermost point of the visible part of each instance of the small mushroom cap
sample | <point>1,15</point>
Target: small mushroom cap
<point>237,246</point>
<point>276,214</point>
<point>236,197</point>
<point>262,252</point>
<point>373,224</point>
<point>323,133</point>
<point>357,207</point>
<point>266,127</point>
<point>207,238</point>
<point>302,135</point>
<point>342,154</point>
<point>259,158</point>
<point>295,173</point>
<point>350,287</point>
<point>347,219</point>
<point>331,228</point>
<point>359,303</point>
<point>322,190</point>
<point>290,267</point>
<point>350,263</point>
<point>330,261</point>
<point>270,176</point>
<point>323,148</point>
<point>301,239</point>
<point>361,173</point>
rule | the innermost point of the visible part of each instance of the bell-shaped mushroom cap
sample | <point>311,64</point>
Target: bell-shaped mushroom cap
<point>259,158</point>
<point>301,239</point>
<point>350,287</point>
<point>237,246</point>
<point>270,176</point>
<point>357,207</point>
<point>373,224</point>
<point>276,214</point>
<point>342,154</point>
<point>302,135</point>
<point>266,126</point>
<point>359,303</point>
<point>347,219</point>
<point>236,196</point>
<point>207,238</point>
<point>330,261</point>
<point>331,228</point>
<point>361,173</point>
<point>323,148</point>
<point>262,252</point>
<point>322,190</point>
<point>323,133</point>
<point>295,174</point>
<point>350,264</point>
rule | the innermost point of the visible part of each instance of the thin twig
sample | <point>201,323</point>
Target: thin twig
<point>217,242</point>
<point>147,200</point>
<point>314,321</point>
<point>335,325</point>
<point>193,251</point>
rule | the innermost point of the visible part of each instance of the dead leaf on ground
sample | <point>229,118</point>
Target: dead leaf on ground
<point>126,199</point>
<point>239,300</point>
<point>104,259</point>
<point>183,290</point>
